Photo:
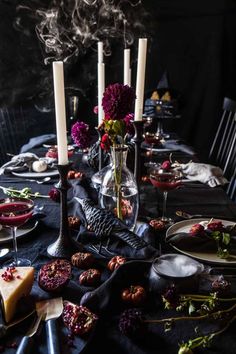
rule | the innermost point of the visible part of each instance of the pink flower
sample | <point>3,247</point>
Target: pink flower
<point>129,118</point>
<point>166,165</point>
<point>95,109</point>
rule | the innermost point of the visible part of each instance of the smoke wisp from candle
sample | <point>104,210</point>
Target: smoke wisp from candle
<point>68,28</point>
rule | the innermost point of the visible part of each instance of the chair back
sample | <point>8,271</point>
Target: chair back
<point>223,149</point>
<point>231,189</point>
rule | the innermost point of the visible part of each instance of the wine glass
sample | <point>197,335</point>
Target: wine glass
<point>151,139</point>
<point>165,180</point>
<point>14,212</point>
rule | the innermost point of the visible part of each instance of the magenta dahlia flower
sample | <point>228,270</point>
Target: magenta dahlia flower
<point>54,194</point>
<point>118,100</point>
<point>80,134</point>
<point>129,118</point>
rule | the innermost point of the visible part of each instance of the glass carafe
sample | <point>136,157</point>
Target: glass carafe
<point>119,191</point>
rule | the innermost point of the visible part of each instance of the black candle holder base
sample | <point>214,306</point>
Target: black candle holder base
<point>59,249</point>
<point>100,151</point>
<point>64,246</point>
<point>137,139</point>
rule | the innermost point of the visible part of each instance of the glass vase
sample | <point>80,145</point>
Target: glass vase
<point>118,191</point>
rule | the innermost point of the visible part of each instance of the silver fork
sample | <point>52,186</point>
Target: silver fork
<point>19,180</point>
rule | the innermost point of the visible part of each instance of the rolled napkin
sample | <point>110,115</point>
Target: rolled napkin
<point>23,163</point>
<point>204,173</point>
<point>37,141</point>
<point>187,242</point>
<point>201,237</point>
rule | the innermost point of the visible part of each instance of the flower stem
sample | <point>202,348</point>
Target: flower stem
<point>193,318</point>
<point>118,175</point>
<point>15,191</point>
<point>205,297</point>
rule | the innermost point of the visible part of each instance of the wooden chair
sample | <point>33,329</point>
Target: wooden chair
<point>231,189</point>
<point>18,125</point>
<point>223,149</point>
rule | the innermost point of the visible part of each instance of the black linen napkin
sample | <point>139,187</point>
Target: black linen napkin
<point>23,163</point>
<point>117,246</point>
<point>187,242</point>
<point>106,302</point>
<point>37,141</point>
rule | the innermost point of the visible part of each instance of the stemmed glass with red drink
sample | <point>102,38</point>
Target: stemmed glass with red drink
<point>151,139</point>
<point>165,178</point>
<point>15,212</point>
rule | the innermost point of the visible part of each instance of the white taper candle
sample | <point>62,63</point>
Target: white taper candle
<point>60,110</point>
<point>101,81</point>
<point>127,67</point>
<point>101,89</point>
<point>100,52</point>
<point>140,80</point>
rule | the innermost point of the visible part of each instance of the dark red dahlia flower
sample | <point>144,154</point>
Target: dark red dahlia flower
<point>54,194</point>
<point>216,226</point>
<point>105,142</point>
<point>118,100</point>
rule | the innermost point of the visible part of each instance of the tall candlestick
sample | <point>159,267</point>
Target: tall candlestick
<point>60,109</point>
<point>101,82</point>
<point>100,52</point>
<point>127,69</point>
<point>140,80</point>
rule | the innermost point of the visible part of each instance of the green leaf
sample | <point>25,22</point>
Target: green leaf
<point>167,326</point>
<point>118,127</point>
<point>223,253</point>
<point>225,238</point>
<point>191,308</point>
<point>216,235</point>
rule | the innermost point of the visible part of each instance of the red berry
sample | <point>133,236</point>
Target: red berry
<point>166,165</point>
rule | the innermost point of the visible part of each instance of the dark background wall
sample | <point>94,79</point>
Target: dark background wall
<point>194,42</point>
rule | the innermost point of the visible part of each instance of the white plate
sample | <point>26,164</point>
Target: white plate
<point>48,173</point>
<point>6,235</point>
<point>184,226</point>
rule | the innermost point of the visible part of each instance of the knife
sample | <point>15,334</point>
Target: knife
<point>27,341</point>
<point>5,328</point>
<point>52,309</point>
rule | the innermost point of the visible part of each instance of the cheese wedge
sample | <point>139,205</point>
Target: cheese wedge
<point>11,291</point>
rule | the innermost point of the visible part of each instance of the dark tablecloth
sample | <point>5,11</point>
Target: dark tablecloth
<point>194,198</point>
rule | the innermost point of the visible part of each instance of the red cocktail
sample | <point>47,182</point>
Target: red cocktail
<point>14,212</point>
<point>151,139</point>
<point>165,180</point>
<point>52,152</point>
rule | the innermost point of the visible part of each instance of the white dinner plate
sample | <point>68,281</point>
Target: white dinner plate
<point>48,173</point>
<point>6,235</point>
<point>184,226</point>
